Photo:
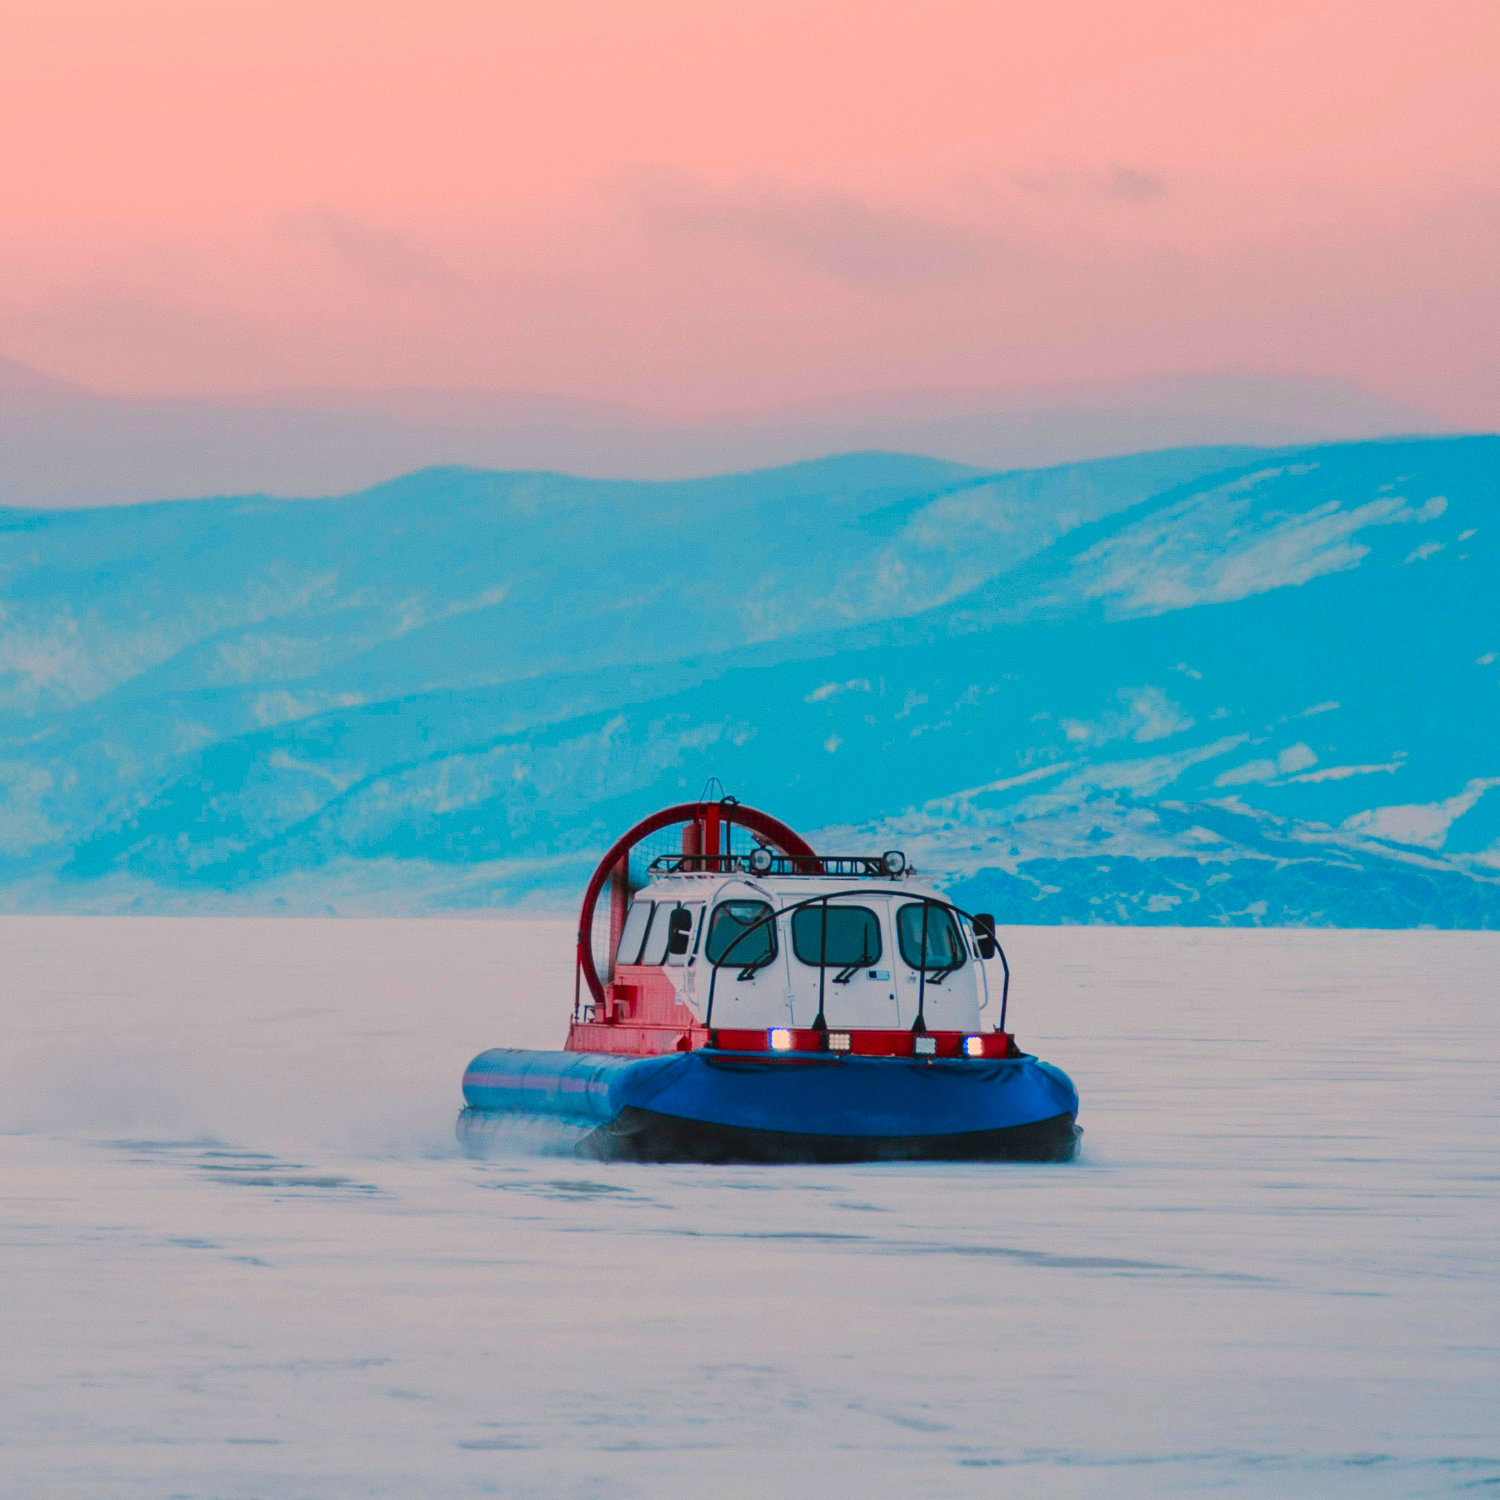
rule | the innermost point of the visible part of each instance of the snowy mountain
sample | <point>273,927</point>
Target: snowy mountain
<point>1205,685</point>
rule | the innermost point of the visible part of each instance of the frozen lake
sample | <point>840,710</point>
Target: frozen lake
<point>241,1256</point>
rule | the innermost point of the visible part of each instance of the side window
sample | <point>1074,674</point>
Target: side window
<point>654,949</point>
<point>945,948</point>
<point>636,922</point>
<point>738,937</point>
<point>853,936</point>
<point>694,909</point>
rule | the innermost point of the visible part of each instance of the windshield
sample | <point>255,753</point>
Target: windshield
<point>944,945</point>
<point>853,936</point>
<point>730,938</point>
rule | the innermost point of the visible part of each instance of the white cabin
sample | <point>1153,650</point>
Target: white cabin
<point>762,950</point>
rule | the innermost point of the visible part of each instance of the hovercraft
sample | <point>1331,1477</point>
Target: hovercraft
<point>771,1004</point>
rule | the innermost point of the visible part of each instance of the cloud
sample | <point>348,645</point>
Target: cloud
<point>1124,183</point>
<point>977,794</point>
<point>379,254</point>
<point>1145,776</point>
<point>1422,553</point>
<point>1145,714</point>
<point>989,806</point>
<point>1343,773</point>
<point>835,234</point>
<point>1134,187</point>
<point>1423,824</point>
<point>1296,757</point>
<point>833,689</point>
<point>24,825</point>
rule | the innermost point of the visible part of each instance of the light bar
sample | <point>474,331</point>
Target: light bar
<point>863,1041</point>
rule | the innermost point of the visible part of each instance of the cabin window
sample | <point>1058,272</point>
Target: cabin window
<point>944,943</point>
<point>694,909</point>
<point>654,949</point>
<point>738,935</point>
<point>636,922</point>
<point>853,936</point>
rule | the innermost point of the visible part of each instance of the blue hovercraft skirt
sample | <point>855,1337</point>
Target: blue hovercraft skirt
<point>712,1106</point>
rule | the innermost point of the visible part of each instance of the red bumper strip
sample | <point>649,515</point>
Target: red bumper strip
<point>864,1043</point>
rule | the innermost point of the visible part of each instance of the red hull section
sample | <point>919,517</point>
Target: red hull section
<point>639,1017</point>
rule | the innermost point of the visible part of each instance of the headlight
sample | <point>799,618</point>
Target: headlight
<point>925,1046</point>
<point>780,1039</point>
<point>973,1046</point>
<point>838,1041</point>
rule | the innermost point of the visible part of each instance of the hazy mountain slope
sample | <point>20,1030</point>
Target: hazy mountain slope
<point>66,445</point>
<point>1211,686</point>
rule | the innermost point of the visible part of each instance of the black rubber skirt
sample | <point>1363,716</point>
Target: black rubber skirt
<point>643,1135</point>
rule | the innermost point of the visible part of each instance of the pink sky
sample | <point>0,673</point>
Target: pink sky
<point>702,208</point>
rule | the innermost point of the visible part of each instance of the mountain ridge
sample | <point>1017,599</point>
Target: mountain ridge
<point>67,445</point>
<point>456,693</point>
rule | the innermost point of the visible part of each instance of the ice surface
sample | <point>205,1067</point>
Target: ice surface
<point>242,1258</point>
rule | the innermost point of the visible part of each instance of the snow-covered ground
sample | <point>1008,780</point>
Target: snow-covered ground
<point>240,1256</point>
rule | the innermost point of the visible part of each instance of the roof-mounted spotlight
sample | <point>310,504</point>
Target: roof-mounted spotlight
<point>894,862</point>
<point>760,860</point>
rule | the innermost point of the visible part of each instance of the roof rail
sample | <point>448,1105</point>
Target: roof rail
<point>763,861</point>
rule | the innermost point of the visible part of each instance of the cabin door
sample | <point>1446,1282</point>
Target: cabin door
<point>843,948</point>
<point>947,998</point>
<point>742,946</point>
